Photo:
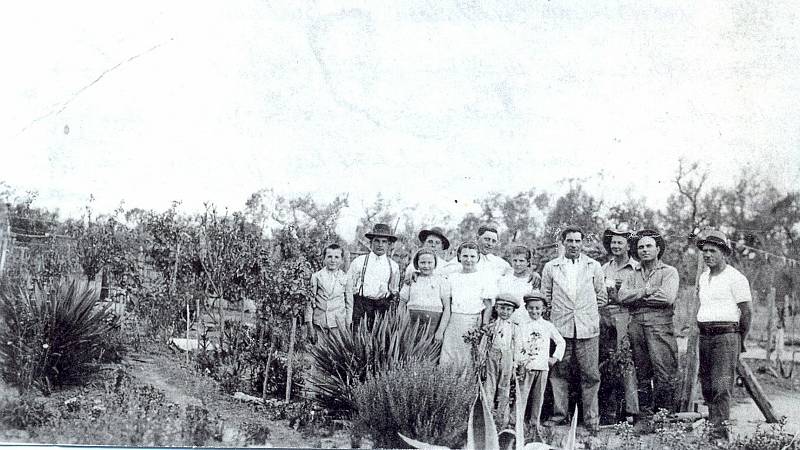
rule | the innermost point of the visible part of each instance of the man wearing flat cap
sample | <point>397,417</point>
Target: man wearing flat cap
<point>724,319</point>
<point>649,294</point>
<point>614,318</point>
<point>374,278</point>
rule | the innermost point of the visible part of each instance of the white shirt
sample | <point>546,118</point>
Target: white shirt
<point>493,264</point>
<point>571,270</point>
<point>469,290</point>
<point>380,279</point>
<point>426,294</point>
<point>519,286</point>
<point>720,295</point>
<point>533,346</point>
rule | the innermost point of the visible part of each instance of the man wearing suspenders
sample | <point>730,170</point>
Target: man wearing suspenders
<point>374,278</point>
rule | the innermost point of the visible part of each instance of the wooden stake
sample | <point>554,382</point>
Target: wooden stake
<point>187,331</point>
<point>691,361</point>
<point>770,323</point>
<point>266,369</point>
<point>289,359</point>
<point>756,392</point>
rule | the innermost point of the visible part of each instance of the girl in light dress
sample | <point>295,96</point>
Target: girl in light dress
<point>427,297</point>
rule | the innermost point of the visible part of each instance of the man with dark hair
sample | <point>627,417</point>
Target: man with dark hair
<point>724,319</point>
<point>374,278</point>
<point>487,241</point>
<point>649,293</point>
<point>614,318</point>
<point>574,285</point>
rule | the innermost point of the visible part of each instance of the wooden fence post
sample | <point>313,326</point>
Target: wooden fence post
<point>770,323</point>
<point>691,361</point>
<point>289,359</point>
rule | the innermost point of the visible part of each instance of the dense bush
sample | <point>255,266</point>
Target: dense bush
<point>419,399</point>
<point>52,338</point>
<point>344,359</point>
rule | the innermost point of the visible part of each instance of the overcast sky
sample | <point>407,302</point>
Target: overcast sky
<point>426,101</point>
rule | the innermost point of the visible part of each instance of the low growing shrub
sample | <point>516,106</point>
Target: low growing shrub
<point>343,359</point>
<point>24,412</point>
<point>419,399</point>
<point>767,437</point>
<point>53,338</point>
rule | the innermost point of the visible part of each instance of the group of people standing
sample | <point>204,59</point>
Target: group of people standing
<point>630,300</point>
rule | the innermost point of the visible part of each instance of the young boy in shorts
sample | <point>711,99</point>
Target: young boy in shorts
<point>532,356</point>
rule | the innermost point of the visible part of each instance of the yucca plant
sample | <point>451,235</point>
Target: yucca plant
<point>52,338</point>
<point>343,359</point>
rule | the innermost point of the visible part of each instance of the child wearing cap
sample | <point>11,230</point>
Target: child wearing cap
<point>521,281</point>
<point>503,334</point>
<point>532,356</point>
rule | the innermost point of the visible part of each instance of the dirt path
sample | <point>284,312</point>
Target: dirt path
<point>184,387</point>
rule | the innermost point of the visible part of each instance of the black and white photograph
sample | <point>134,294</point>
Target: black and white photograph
<point>499,224</point>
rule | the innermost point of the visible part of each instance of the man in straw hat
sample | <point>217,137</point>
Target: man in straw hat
<point>724,319</point>
<point>614,318</point>
<point>649,293</point>
<point>374,278</point>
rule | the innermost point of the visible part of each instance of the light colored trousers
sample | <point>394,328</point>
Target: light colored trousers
<point>499,369</point>
<point>531,392</point>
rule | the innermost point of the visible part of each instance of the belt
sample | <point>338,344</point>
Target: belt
<point>715,328</point>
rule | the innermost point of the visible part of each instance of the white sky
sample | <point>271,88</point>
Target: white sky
<point>426,101</point>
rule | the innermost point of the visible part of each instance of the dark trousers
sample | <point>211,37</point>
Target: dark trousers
<point>367,308</point>
<point>719,355</point>
<point>655,354</point>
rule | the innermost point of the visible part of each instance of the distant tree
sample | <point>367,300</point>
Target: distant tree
<point>576,207</point>
<point>633,214</point>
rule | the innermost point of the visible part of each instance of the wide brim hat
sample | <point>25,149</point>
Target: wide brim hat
<point>435,231</point>
<point>610,233</point>
<point>381,230</point>
<point>716,238</point>
<point>634,242</point>
<point>507,298</point>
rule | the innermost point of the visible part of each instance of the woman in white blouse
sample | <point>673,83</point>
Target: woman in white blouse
<point>472,292</point>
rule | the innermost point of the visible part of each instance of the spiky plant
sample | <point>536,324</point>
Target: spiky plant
<point>342,359</point>
<point>51,338</point>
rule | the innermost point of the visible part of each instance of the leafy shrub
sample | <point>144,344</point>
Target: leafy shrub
<point>767,437</point>
<point>416,398</point>
<point>24,412</point>
<point>52,338</point>
<point>343,359</point>
<point>129,414</point>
